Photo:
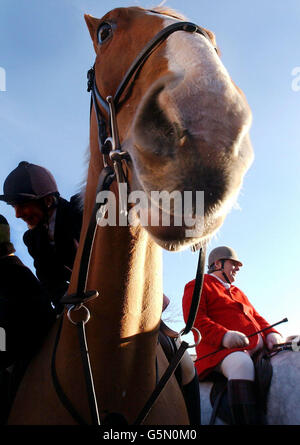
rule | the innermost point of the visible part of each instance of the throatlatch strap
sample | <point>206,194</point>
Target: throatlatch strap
<point>107,176</point>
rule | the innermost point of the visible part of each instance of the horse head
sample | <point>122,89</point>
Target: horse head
<point>181,118</point>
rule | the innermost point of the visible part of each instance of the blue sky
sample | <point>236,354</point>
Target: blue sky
<point>45,50</point>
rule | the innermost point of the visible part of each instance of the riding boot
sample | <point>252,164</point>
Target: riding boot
<point>191,393</point>
<point>242,402</point>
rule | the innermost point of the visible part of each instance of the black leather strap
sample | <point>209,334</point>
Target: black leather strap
<point>58,388</point>
<point>197,292</point>
<point>157,39</point>
<point>161,384</point>
<point>106,177</point>
<point>88,373</point>
<point>183,347</point>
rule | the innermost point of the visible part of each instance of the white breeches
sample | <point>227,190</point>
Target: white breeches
<point>238,365</point>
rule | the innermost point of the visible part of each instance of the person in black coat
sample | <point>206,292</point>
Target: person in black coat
<point>25,317</point>
<point>54,225</point>
<point>54,252</point>
<point>25,312</point>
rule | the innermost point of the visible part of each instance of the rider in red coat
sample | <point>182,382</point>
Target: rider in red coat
<point>225,319</point>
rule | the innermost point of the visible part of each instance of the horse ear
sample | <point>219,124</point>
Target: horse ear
<point>92,24</point>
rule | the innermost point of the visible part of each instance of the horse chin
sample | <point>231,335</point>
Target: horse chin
<point>176,241</point>
<point>177,238</point>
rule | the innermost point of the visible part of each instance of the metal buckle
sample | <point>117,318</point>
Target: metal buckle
<point>75,299</point>
<point>77,308</point>
<point>198,340</point>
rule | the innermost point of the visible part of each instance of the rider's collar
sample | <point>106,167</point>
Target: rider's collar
<point>226,285</point>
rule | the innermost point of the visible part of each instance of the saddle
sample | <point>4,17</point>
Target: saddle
<point>218,393</point>
<point>166,338</point>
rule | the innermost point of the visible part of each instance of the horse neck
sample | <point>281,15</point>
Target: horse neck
<point>125,268</point>
<point>127,272</point>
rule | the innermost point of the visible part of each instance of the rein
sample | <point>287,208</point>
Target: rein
<point>284,320</point>
<point>110,148</point>
<point>292,345</point>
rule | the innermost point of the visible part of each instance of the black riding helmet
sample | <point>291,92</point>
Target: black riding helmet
<point>28,182</point>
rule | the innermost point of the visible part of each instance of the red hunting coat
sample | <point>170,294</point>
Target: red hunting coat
<point>221,310</point>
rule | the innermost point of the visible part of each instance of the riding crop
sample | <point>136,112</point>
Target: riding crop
<point>284,320</point>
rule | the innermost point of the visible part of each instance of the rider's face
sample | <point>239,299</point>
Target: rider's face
<point>31,212</point>
<point>231,268</point>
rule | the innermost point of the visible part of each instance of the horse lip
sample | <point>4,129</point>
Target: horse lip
<point>176,238</point>
<point>179,243</point>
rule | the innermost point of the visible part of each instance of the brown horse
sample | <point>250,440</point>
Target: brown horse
<point>185,125</point>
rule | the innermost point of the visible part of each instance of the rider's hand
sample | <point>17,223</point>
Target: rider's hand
<point>234,339</point>
<point>273,339</point>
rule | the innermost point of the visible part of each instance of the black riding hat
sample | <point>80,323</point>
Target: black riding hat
<point>28,182</point>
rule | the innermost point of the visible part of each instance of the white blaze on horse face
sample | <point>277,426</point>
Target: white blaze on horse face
<point>214,101</point>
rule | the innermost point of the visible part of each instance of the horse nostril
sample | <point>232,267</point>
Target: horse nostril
<point>181,134</point>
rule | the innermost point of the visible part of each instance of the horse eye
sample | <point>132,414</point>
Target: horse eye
<point>104,31</point>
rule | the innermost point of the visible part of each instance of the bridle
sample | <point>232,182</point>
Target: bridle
<point>111,145</point>
<point>111,150</point>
